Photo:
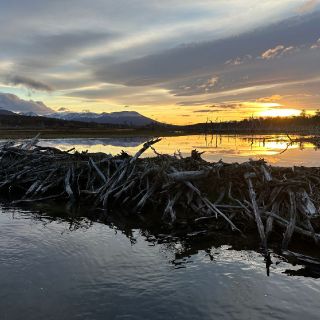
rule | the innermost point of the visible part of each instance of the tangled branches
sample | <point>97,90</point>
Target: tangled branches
<point>177,191</point>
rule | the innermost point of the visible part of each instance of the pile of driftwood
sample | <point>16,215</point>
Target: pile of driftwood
<point>178,192</point>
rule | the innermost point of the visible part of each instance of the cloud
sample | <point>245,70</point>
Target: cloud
<point>201,59</point>
<point>5,66</point>
<point>102,92</point>
<point>298,94</point>
<point>63,109</point>
<point>204,111</point>
<point>142,26</point>
<point>45,51</point>
<point>12,103</point>
<point>213,107</point>
<point>72,79</point>
<point>272,53</point>
<point>278,51</point>
<point>239,60</point>
<point>226,106</point>
<point>208,84</point>
<point>308,6</point>
<point>273,98</point>
<point>29,83</point>
<point>316,45</point>
<point>221,107</point>
<point>146,53</point>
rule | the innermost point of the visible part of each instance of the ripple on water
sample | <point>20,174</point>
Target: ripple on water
<point>47,271</point>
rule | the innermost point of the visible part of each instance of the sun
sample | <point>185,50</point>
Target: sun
<point>279,113</point>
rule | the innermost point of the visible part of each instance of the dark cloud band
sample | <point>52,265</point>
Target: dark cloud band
<point>28,82</point>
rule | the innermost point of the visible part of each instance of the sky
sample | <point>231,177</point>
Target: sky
<point>176,61</point>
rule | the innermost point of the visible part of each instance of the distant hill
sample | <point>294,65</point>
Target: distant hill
<point>125,118</point>
<point>10,120</point>
<point>6,113</point>
<point>11,104</point>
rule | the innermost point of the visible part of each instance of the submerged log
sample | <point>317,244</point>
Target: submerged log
<point>177,190</point>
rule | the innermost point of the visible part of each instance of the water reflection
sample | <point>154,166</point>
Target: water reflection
<point>57,267</point>
<point>276,149</point>
<point>182,246</point>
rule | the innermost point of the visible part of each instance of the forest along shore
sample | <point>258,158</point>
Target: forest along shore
<point>19,126</point>
<point>185,195</point>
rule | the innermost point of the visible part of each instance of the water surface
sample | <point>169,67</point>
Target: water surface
<point>50,270</point>
<point>73,268</point>
<point>276,149</point>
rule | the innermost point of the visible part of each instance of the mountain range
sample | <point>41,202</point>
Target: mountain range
<point>130,118</point>
<point>6,113</point>
<point>11,104</point>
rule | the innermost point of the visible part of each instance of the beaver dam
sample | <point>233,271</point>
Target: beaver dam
<point>184,195</point>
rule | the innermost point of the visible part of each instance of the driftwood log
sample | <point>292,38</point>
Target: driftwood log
<point>178,190</point>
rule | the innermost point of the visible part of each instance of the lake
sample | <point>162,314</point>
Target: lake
<point>51,270</point>
<point>276,149</point>
<point>57,264</point>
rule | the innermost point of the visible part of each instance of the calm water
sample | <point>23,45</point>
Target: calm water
<point>62,268</point>
<point>228,148</point>
<point>97,272</point>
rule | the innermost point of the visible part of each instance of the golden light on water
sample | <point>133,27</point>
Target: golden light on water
<point>275,149</point>
<point>279,113</point>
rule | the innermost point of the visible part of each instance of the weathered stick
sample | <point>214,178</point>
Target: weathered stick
<point>256,210</point>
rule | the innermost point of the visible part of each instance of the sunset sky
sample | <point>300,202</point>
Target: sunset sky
<point>176,61</point>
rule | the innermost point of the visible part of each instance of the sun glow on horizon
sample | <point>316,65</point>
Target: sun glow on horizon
<point>279,113</point>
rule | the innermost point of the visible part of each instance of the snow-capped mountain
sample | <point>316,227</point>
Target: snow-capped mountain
<point>29,114</point>
<point>131,118</point>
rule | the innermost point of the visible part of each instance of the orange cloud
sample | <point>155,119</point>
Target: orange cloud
<point>272,53</point>
<point>278,51</point>
<point>275,97</point>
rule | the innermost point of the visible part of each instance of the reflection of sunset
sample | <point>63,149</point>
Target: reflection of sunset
<point>216,147</point>
<point>279,113</point>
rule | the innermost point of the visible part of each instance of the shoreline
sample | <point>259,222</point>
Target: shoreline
<point>105,133</point>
